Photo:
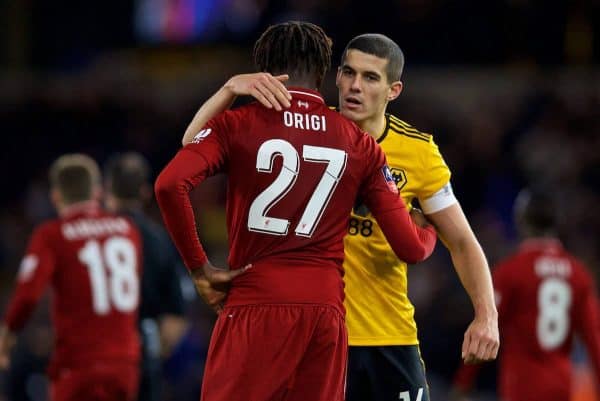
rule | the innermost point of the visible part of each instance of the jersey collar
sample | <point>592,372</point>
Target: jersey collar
<point>84,207</point>
<point>386,129</point>
<point>306,94</point>
<point>538,243</point>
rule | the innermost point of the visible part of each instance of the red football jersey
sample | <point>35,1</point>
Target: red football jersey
<point>92,261</point>
<point>544,297</point>
<point>293,178</point>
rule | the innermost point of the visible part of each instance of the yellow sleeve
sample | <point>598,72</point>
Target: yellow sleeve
<point>437,174</point>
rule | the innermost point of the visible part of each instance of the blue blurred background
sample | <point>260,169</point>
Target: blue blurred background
<point>510,90</point>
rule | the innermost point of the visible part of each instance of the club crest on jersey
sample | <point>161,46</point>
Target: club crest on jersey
<point>201,135</point>
<point>399,176</point>
<point>389,179</point>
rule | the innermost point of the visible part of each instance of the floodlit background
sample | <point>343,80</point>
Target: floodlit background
<point>510,90</point>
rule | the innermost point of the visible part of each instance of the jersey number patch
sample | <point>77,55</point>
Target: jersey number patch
<point>335,159</point>
<point>554,302</point>
<point>113,277</point>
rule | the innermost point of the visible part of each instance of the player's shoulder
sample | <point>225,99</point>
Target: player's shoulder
<point>404,130</point>
<point>245,113</point>
<point>579,268</point>
<point>349,127</point>
<point>510,263</point>
<point>150,228</point>
<point>48,227</point>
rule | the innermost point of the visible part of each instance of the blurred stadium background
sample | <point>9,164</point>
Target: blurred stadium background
<point>509,88</point>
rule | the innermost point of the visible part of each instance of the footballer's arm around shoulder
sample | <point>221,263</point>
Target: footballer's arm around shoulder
<point>217,103</point>
<point>265,88</point>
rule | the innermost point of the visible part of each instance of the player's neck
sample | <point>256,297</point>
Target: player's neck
<point>77,207</point>
<point>374,126</point>
<point>301,83</point>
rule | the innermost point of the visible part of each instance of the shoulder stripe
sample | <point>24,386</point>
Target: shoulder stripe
<point>410,134</point>
<point>400,122</point>
<point>403,126</point>
<point>409,131</point>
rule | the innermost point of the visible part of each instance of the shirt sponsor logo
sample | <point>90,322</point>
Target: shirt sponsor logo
<point>201,135</point>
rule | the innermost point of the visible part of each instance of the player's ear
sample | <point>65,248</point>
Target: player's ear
<point>97,193</point>
<point>56,198</point>
<point>395,90</point>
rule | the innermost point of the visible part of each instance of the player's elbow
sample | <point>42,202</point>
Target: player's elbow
<point>164,185</point>
<point>410,254</point>
<point>419,249</point>
<point>416,254</point>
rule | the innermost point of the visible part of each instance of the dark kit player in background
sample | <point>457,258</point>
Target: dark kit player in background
<point>161,321</point>
<point>281,334</point>
<point>91,259</point>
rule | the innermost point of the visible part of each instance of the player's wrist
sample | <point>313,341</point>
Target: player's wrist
<point>197,273</point>
<point>230,88</point>
<point>485,311</point>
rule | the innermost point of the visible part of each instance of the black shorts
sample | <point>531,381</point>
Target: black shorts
<point>386,373</point>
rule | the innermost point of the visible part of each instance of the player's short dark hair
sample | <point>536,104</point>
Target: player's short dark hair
<point>535,210</point>
<point>126,174</point>
<point>381,46</point>
<point>75,176</point>
<point>297,48</point>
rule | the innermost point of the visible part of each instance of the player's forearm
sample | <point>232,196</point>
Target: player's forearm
<point>410,242</point>
<point>468,259</point>
<point>172,189</point>
<point>472,269</point>
<point>217,103</point>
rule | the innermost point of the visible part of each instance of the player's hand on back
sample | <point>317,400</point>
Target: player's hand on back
<point>481,341</point>
<point>216,275</point>
<point>212,296</point>
<point>264,87</point>
<point>212,284</point>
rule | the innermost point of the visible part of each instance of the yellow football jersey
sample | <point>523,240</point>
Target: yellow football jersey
<point>377,305</point>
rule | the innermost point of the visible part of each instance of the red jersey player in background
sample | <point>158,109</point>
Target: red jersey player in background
<point>293,179</point>
<point>545,297</point>
<point>91,259</point>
